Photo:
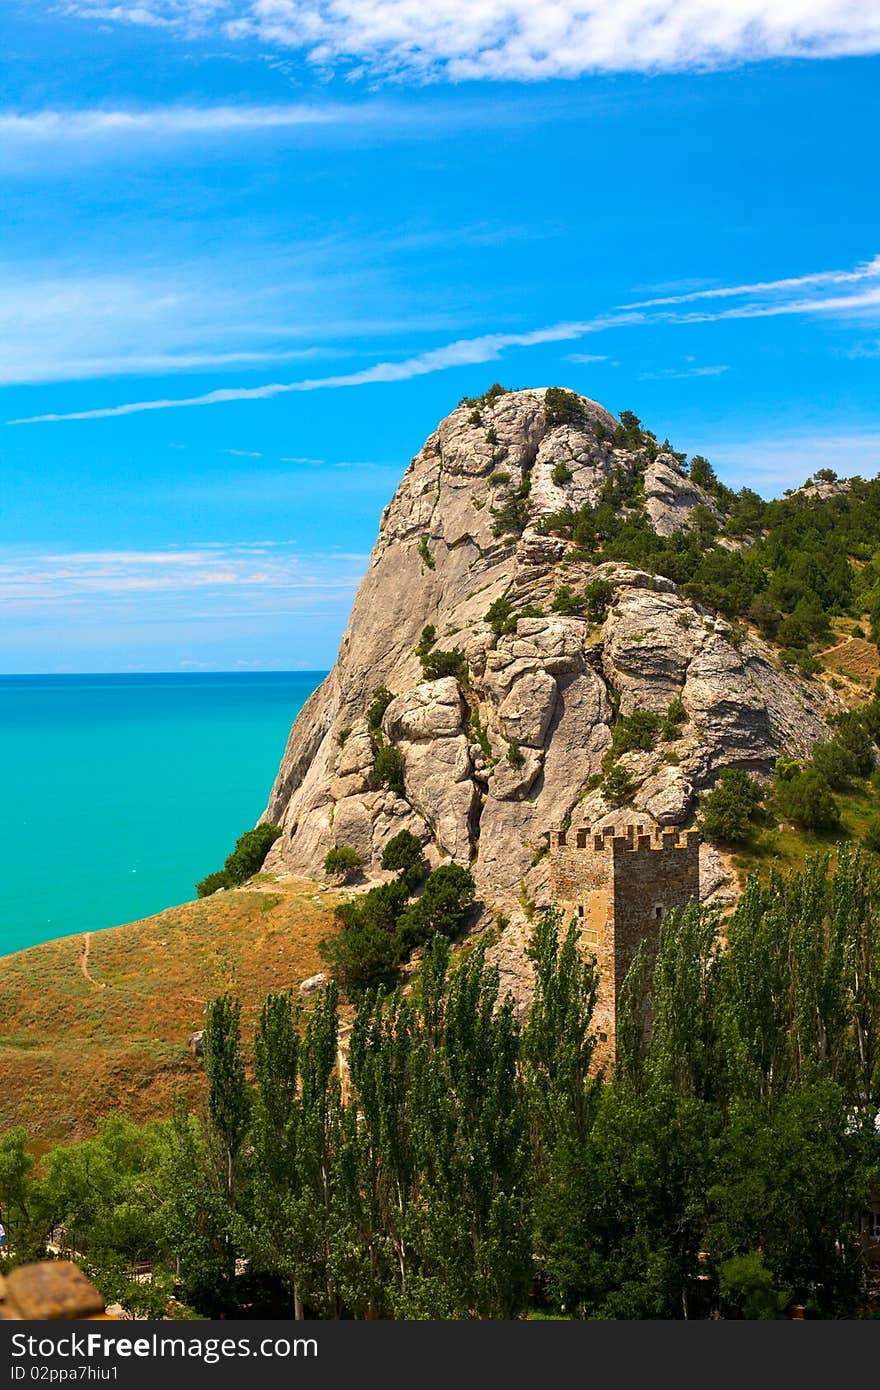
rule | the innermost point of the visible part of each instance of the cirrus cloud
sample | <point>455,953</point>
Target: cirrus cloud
<point>763,299</point>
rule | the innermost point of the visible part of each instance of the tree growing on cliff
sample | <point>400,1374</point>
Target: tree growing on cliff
<point>441,908</point>
<point>403,855</point>
<point>730,810</point>
<point>245,860</point>
<point>342,862</point>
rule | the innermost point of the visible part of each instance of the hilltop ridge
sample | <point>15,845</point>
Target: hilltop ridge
<point>493,649</point>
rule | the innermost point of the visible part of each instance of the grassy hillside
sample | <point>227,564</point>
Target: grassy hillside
<point>785,847</point>
<point>92,1025</point>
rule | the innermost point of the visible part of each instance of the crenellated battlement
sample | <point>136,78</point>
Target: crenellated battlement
<point>633,839</point>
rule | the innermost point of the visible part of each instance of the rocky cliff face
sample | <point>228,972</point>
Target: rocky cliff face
<point>492,763</point>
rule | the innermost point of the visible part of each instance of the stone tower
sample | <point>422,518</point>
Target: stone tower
<point>620,887</point>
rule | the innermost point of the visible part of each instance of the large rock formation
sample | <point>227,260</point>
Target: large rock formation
<point>493,761</point>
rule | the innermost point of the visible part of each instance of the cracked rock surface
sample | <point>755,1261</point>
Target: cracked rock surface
<point>492,763</point>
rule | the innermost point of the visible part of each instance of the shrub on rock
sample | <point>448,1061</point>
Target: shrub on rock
<point>342,862</point>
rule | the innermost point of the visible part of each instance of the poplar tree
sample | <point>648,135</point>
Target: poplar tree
<point>468,1231</point>
<point>315,1175</point>
<point>275,1137</point>
<point>228,1096</point>
<point>559,1045</point>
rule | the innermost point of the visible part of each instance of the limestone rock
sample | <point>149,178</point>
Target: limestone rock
<point>547,681</point>
<point>516,972</point>
<point>670,497</point>
<point>511,780</point>
<point>716,879</point>
<point>312,985</point>
<point>433,710</point>
<point>525,713</point>
<point>651,641</point>
<point>668,797</point>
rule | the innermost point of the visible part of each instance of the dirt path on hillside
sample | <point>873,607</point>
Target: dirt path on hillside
<point>838,646</point>
<point>84,961</point>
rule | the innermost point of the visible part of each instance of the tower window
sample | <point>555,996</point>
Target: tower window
<point>658,912</point>
<point>580,909</point>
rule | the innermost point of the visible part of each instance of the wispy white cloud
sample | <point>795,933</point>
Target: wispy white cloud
<point>74,323</point>
<point>683,373</point>
<point>770,301</point>
<point>523,40</point>
<point>770,462</point>
<point>464,352</point>
<point>243,453</point>
<point>235,605</point>
<point>43,140</point>
<point>586,358</point>
<point>122,14</point>
<point>842,305</point>
<point>19,372</point>
<point>868,270</point>
<point>32,579</point>
<point>170,309</point>
<point>173,122</point>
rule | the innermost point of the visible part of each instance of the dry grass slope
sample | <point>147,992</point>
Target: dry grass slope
<point>75,1046</point>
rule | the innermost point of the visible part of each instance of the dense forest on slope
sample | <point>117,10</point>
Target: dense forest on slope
<point>472,1166</point>
<point>788,565</point>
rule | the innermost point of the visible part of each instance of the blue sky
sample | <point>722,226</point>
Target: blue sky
<point>251,251</point>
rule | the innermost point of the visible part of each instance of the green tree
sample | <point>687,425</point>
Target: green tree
<point>366,953</point>
<point>342,862</point>
<point>467,1232</point>
<point>427,640</point>
<point>274,1237</point>
<point>437,664</point>
<point>250,851</point>
<point>562,407</point>
<point>382,698</point>
<point>729,810</point>
<point>501,616</point>
<point>18,1195</point>
<point>559,1045</point>
<point>702,473</point>
<point>856,735</point>
<point>102,1198</point>
<point>790,1183</point>
<point>747,1286</point>
<point>597,599</point>
<point>637,730</point>
<point>442,907</point>
<point>403,855</point>
<point>567,602</point>
<point>388,768</point>
<point>617,785</point>
<point>835,762</point>
<point>806,800</point>
<point>228,1096</point>
<point>213,883</point>
<point>199,1225</point>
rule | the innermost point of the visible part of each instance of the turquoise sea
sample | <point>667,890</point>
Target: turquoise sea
<point>118,792</point>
